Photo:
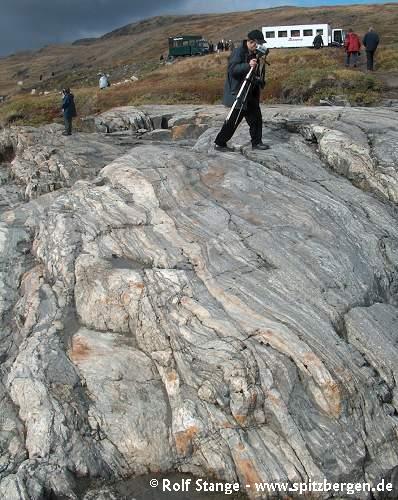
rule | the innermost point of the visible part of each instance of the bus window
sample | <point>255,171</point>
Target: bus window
<point>270,34</point>
<point>294,33</point>
<point>307,32</point>
<point>319,32</point>
<point>282,34</point>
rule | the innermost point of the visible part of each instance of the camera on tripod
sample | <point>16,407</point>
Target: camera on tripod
<point>261,50</point>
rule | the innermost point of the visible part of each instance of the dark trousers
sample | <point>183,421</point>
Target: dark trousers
<point>68,124</point>
<point>369,59</point>
<point>254,119</point>
<point>348,56</point>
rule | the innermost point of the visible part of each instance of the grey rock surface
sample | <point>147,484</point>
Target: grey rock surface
<point>122,118</point>
<point>42,160</point>
<point>172,308</point>
<point>159,135</point>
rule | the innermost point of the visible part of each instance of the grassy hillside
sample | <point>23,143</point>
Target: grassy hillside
<point>295,75</point>
<point>133,48</point>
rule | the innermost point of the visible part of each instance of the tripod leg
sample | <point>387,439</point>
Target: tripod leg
<point>238,100</point>
<point>236,113</point>
<point>229,127</point>
<point>239,118</point>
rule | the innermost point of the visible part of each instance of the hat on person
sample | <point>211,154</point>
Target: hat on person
<point>256,35</point>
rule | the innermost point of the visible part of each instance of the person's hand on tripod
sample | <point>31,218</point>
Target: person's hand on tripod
<point>253,63</point>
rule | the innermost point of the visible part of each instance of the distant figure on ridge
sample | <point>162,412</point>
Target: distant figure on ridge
<point>352,45</point>
<point>103,82</point>
<point>69,110</point>
<point>370,41</point>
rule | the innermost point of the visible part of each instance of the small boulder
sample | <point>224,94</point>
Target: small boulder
<point>160,134</point>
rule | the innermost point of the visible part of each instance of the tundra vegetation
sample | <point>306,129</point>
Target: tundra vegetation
<point>295,76</point>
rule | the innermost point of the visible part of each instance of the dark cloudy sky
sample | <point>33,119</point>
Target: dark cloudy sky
<point>30,24</point>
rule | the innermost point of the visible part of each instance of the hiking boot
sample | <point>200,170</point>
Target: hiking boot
<point>66,133</point>
<point>222,147</point>
<point>261,146</point>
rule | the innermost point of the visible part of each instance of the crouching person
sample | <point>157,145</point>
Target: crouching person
<point>69,110</point>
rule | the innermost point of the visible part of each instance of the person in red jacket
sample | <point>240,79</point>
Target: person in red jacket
<point>352,45</point>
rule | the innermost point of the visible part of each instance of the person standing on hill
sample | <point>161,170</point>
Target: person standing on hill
<point>241,60</point>
<point>370,41</point>
<point>103,81</point>
<point>318,41</point>
<point>352,45</point>
<point>69,110</point>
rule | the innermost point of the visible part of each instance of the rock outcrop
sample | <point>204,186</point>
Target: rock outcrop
<point>230,315</point>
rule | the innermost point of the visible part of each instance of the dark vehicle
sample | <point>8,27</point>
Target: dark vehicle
<point>187,45</point>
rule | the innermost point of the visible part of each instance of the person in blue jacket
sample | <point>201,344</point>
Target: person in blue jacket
<point>69,110</point>
<point>242,59</point>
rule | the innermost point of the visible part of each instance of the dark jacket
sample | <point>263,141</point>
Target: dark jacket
<point>318,42</point>
<point>371,40</point>
<point>238,67</point>
<point>68,105</point>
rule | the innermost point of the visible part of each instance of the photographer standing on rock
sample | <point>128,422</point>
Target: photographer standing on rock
<point>69,110</point>
<point>242,59</point>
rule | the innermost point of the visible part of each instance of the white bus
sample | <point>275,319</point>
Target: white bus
<point>301,35</point>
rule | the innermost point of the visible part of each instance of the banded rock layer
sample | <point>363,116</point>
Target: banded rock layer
<point>165,307</point>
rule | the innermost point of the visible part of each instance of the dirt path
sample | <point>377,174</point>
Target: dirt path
<point>388,79</point>
<point>390,84</point>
